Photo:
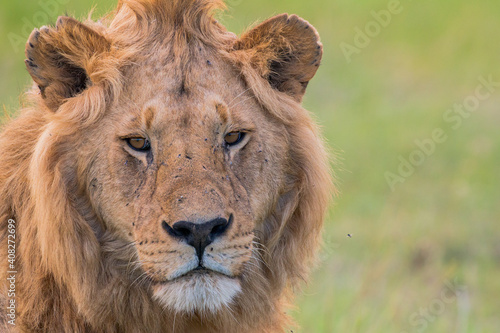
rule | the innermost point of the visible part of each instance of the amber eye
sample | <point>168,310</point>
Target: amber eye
<point>139,144</point>
<point>234,138</point>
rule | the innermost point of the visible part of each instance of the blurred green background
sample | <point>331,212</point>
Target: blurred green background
<point>424,254</point>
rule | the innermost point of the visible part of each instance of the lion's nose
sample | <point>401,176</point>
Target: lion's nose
<point>198,235</point>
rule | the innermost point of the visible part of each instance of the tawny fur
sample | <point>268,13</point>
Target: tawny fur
<point>88,235</point>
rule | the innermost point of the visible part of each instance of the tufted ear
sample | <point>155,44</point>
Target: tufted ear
<point>286,51</point>
<point>60,59</point>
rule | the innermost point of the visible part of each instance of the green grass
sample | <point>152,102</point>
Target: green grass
<point>442,224</point>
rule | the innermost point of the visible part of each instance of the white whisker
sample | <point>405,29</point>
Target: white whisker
<point>240,94</point>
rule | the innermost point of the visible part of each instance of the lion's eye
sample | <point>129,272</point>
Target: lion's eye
<point>139,144</point>
<point>234,138</point>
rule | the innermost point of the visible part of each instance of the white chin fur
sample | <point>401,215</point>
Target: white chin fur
<point>199,292</point>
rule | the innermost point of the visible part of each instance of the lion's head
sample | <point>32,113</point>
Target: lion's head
<point>173,168</point>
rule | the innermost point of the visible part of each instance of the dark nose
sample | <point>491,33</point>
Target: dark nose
<point>198,235</point>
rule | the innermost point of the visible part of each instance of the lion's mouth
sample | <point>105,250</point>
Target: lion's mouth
<point>199,271</point>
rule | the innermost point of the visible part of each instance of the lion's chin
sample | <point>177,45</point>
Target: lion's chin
<point>203,293</point>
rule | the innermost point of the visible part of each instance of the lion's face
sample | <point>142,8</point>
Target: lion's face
<point>188,176</point>
<point>179,158</point>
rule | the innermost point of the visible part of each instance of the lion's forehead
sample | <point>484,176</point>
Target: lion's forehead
<point>190,76</point>
<point>204,110</point>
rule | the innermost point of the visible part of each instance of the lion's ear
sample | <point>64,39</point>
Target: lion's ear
<point>286,51</point>
<point>60,59</point>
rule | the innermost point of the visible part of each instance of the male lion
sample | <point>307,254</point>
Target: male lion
<point>165,178</point>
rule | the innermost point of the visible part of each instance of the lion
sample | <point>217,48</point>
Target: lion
<point>163,176</point>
